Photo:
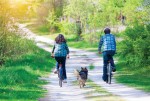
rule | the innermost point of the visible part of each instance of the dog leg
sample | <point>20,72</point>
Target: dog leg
<point>84,85</point>
<point>80,85</point>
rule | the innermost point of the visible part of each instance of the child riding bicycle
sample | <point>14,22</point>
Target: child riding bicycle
<point>109,49</point>
<point>60,52</point>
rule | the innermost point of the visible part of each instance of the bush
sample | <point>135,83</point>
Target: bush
<point>92,38</point>
<point>12,45</point>
<point>68,28</point>
<point>43,28</point>
<point>134,49</point>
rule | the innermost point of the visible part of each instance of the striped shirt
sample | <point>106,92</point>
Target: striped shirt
<point>108,42</point>
<point>60,50</point>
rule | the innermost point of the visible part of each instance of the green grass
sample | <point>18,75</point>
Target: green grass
<point>19,79</point>
<point>38,29</point>
<point>138,78</point>
<point>91,66</point>
<point>82,44</point>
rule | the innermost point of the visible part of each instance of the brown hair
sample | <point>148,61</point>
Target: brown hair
<point>60,38</point>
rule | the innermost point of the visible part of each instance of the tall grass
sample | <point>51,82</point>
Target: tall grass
<point>19,80</point>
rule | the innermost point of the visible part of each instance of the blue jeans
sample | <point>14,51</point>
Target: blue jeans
<point>107,56</point>
<point>61,60</point>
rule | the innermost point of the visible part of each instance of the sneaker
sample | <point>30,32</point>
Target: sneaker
<point>65,81</point>
<point>113,69</point>
<point>55,71</point>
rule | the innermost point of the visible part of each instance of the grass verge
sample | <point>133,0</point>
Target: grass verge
<point>138,78</point>
<point>19,80</point>
<point>91,66</point>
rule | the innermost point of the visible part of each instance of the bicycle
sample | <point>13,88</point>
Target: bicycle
<point>109,72</point>
<point>60,71</point>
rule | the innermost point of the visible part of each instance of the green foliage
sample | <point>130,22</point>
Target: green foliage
<point>12,45</point>
<point>52,22</point>
<point>98,13</point>
<point>135,49</point>
<point>80,10</point>
<point>43,29</point>
<point>49,12</point>
<point>92,37</point>
<point>68,28</point>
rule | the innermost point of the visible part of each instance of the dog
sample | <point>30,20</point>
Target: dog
<point>82,76</point>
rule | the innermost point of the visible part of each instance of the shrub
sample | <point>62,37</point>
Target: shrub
<point>12,45</point>
<point>68,28</point>
<point>43,28</point>
<point>134,49</point>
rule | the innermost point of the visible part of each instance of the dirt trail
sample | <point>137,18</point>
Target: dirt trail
<point>81,58</point>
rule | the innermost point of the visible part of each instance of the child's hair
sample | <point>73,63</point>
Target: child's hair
<point>107,31</point>
<point>60,38</point>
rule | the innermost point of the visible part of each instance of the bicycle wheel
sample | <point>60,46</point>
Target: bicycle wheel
<point>60,82</point>
<point>109,73</point>
<point>60,75</point>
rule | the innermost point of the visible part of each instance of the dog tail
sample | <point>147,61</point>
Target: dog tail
<point>76,72</point>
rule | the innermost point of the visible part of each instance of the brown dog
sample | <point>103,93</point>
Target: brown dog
<point>82,76</point>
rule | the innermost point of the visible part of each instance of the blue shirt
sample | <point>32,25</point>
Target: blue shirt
<point>60,49</point>
<point>108,42</point>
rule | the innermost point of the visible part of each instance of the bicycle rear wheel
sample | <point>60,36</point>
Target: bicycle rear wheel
<point>60,82</point>
<point>60,75</point>
<point>109,73</point>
